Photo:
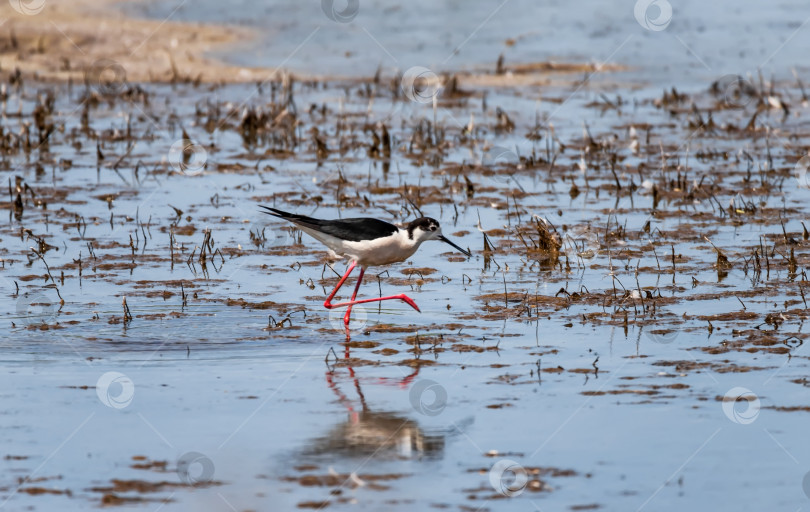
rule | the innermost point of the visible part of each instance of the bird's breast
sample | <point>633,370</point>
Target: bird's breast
<point>382,251</point>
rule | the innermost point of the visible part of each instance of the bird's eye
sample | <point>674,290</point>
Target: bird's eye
<point>433,228</point>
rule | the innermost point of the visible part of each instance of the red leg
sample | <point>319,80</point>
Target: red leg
<point>401,297</point>
<point>328,303</point>
<point>354,296</point>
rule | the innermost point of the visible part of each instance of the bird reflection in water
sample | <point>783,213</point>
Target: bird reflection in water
<point>368,433</point>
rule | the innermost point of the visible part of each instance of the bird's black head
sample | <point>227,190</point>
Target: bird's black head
<point>426,228</point>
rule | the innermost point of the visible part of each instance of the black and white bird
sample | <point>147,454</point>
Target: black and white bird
<point>367,242</point>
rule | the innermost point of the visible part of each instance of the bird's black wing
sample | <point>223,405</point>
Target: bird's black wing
<point>352,230</point>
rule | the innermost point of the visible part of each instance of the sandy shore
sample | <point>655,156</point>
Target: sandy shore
<point>61,40</point>
<point>93,40</point>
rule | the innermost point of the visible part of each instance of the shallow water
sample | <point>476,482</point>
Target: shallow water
<point>600,373</point>
<point>702,41</point>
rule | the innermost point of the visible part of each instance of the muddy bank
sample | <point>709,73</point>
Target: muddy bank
<point>98,42</point>
<point>95,40</point>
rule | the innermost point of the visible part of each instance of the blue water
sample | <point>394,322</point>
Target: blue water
<point>702,41</point>
<point>268,406</point>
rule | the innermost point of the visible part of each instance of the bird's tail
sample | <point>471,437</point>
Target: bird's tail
<point>299,220</point>
<point>276,213</point>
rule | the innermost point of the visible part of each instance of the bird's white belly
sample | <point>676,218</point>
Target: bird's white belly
<point>382,251</point>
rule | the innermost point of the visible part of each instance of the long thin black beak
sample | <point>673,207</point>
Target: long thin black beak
<point>459,249</point>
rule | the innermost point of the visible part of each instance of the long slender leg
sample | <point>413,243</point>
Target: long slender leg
<point>328,303</point>
<point>401,297</point>
<point>354,296</point>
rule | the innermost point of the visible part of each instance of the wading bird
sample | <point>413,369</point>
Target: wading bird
<point>366,242</point>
